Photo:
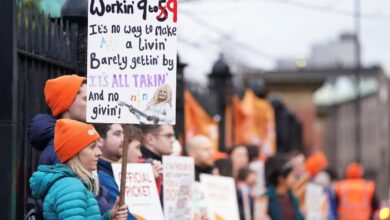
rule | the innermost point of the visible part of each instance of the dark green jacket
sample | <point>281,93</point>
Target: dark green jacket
<point>274,209</point>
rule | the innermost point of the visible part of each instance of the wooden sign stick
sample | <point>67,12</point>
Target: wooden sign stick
<point>125,146</point>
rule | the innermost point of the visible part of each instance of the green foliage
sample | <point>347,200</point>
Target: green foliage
<point>33,4</point>
<point>35,9</point>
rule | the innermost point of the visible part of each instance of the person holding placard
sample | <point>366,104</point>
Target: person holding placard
<point>110,144</point>
<point>66,98</point>
<point>68,190</point>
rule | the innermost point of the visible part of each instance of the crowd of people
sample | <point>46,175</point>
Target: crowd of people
<point>75,179</point>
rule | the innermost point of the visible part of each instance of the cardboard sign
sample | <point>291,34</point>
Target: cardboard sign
<point>261,208</point>
<point>141,191</point>
<point>315,200</point>
<point>258,167</point>
<point>221,197</point>
<point>131,61</point>
<point>179,176</point>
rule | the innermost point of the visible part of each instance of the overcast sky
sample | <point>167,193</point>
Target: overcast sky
<point>256,33</point>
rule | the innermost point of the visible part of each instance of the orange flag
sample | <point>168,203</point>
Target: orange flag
<point>254,123</point>
<point>197,121</point>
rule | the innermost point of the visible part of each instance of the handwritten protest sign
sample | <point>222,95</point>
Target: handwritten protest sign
<point>221,197</point>
<point>141,192</point>
<point>131,61</point>
<point>179,176</point>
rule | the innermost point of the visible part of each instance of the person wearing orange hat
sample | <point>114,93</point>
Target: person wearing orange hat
<point>308,169</point>
<point>68,189</point>
<point>66,97</point>
<point>356,198</point>
<point>316,163</point>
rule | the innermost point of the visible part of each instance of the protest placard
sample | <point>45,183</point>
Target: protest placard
<point>131,61</point>
<point>221,197</point>
<point>258,168</point>
<point>199,208</point>
<point>260,208</point>
<point>179,176</point>
<point>315,202</point>
<point>141,191</point>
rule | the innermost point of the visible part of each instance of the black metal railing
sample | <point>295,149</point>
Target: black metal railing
<point>46,48</point>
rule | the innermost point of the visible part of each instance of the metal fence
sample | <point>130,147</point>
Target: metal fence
<point>46,48</point>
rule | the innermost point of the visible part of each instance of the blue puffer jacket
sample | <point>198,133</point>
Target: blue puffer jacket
<point>67,197</point>
<point>41,136</point>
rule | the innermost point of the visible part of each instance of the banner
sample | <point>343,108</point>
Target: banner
<point>131,61</point>
<point>141,191</point>
<point>179,176</point>
<point>256,117</point>
<point>221,197</point>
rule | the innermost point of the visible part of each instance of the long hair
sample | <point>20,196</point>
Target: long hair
<point>86,176</point>
<point>168,100</point>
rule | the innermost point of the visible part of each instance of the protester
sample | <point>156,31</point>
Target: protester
<point>297,160</point>
<point>66,98</point>
<point>356,197</point>
<point>135,137</point>
<point>245,183</point>
<point>110,143</point>
<point>69,189</point>
<point>316,163</point>
<point>134,155</point>
<point>201,149</point>
<point>253,153</point>
<point>302,177</point>
<point>330,210</point>
<point>238,158</point>
<point>282,203</point>
<point>158,141</point>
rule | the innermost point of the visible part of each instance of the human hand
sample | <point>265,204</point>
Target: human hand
<point>118,212</point>
<point>155,119</point>
<point>157,168</point>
